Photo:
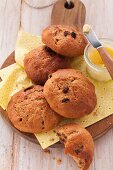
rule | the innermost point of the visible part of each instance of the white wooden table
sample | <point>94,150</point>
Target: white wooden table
<point>17,153</point>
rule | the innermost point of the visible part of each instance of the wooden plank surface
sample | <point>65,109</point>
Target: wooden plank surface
<point>17,153</point>
<point>9,25</point>
<point>35,20</point>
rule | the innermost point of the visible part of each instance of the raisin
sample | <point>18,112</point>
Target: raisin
<point>66,33</point>
<point>66,89</point>
<point>79,149</point>
<point>42,122</point>
<point>72,79</point>
<point>58,134</point>
<point>73,34</point>
<point>62,137</point>
<point>20,119</point>
<point>65,100</point>
<point>57,40</point>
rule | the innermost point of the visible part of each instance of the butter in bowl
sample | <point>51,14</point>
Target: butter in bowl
<point>95,65</point>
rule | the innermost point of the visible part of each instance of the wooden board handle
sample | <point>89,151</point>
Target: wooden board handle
<point>73,15</point>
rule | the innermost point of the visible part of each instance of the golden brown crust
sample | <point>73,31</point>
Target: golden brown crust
<point>41,62</point>
<point>65,40</point>
<point>78,144</point>
<point>74,95</point>
<point>29,111</point>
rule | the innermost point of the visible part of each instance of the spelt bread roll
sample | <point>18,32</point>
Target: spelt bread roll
<point>29,111</point>
<point>78,144</point>
<point>65,40</point>
<point>70,93</point>
<point>41,62</point>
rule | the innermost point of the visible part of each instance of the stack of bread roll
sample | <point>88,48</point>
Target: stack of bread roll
<point>58,92</point>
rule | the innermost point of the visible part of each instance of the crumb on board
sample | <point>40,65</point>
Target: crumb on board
<point>47,151</point>
<point>58,160</point>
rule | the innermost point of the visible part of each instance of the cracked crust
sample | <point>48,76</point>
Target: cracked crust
<point>74,95</point>
<point>65,40</point>
<point>29,111</point>
<point>78,144</point>
<point>41,62</point>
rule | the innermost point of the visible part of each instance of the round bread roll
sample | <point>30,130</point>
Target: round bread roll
<point>78,144</point>
<point>65,40</point>
<point>29,111</point>
<point>41,62</point>
<point>70,93</point>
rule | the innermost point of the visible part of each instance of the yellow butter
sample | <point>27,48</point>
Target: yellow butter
<point>25,43</point>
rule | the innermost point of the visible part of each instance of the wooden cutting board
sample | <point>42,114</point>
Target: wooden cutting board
<point>73,15</point>
<point>96,130</point>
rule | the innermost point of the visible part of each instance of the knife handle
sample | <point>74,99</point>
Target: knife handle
<point>107,59</point>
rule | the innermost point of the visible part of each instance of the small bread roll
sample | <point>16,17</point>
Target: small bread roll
<point>65,40</point>
<point>70,93</point>
<point>78,144</point>
<point>29,111</point>
<point>41,62</point>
